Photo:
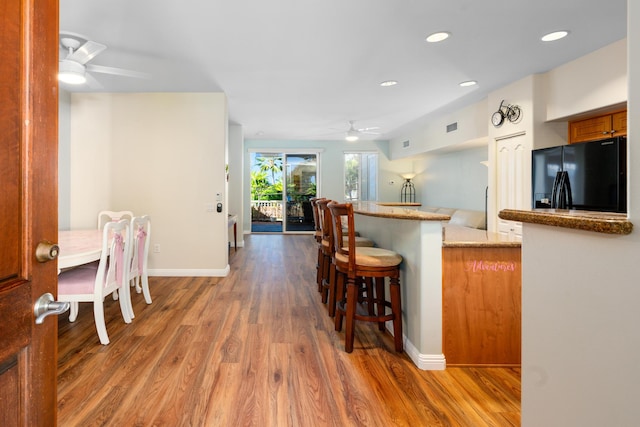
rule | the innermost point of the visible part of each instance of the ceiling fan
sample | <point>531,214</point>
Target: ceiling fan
<point>79,50</point>
<point>354,133</point>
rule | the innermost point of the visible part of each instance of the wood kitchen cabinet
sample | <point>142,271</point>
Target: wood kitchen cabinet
<point>594,128</point>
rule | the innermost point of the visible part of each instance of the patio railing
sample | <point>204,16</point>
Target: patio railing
<point>266,210</point>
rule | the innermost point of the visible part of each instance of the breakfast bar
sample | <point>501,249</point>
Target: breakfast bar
<point>426,244</point>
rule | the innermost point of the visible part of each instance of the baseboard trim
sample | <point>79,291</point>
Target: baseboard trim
<point>190,273</point>
<point>425,362</point>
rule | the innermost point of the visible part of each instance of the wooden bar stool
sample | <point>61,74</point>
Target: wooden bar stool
<point>328,283</point>
<point>318,237</point>
<point>362,265</point>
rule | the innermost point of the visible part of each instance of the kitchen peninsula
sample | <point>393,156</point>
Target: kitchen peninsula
<point>424,244</point>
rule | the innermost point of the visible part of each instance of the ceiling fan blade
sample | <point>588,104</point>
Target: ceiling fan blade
<point>117,71</point>
<point>369,133</point>
<point>368,129</point>
<point>86,52</point>
<point>92,82</point>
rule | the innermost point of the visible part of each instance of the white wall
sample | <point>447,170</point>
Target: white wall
<point>331,173</point>
<point>161,154</point>
<point>64,160</point>
<point>580,311</point>
<point>236,179</point>
<point>596,80</point>
<point>453,179</point>
<point>431,134</point>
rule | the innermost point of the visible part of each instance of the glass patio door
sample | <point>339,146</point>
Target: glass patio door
<point>281,186</point>
<point>300,179</point>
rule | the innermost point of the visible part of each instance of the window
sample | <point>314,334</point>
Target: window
<point>360,176</point>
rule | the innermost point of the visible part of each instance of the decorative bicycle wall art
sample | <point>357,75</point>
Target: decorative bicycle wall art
<point>505,111</point>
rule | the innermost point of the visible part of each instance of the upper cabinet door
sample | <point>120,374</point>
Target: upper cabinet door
<point>599,127</point>
<point>619,123</point>
<point>590,129</point>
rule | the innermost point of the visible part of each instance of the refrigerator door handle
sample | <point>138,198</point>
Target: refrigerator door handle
<point>568,190</point>
<point>555,190</point>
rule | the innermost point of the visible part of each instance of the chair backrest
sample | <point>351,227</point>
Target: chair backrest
<point>140,238</point>
<point>108,216</point>
<point>339,213</point>
<point>314,205</point>
<point>113,267</point>
<point>324,219</point>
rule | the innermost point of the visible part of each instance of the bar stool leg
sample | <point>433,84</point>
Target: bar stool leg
<point>332,290</point>
<point>380,299</point>
<point>396,308</point>
<point>352,300</point>
<point>319,267</point>
<point>340,299</point>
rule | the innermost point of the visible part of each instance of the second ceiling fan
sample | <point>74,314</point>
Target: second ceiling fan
<point>78,51</point>
<point>353,133</point>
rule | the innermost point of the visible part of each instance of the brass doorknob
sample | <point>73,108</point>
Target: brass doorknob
<point>47,251</point>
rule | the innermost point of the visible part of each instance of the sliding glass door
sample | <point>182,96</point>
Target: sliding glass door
<point>281,185</point>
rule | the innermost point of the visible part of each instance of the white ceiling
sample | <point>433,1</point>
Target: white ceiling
<point>301,69</point>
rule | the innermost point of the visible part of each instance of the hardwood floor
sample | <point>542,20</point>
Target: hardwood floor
<point>257,349</point>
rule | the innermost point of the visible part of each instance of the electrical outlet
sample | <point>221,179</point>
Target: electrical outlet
<point>156,248</point>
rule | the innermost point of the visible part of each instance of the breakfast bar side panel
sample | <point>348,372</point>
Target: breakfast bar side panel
<point>420,244</point>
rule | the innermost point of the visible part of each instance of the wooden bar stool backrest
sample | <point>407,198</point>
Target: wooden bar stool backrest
<point>341,215</point>
<point>316,219</point>
<point>324,218</point>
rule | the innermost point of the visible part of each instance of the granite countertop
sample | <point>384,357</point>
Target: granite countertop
<point>398,204</point>
<point>397,211</point>
<point>456,236</point>
<point>599,222</point>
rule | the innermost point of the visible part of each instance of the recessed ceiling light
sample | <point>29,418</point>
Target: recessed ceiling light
<point>468,83</point>
<point>556,35</point>
<point>388,83</point>
<point>438,37</point>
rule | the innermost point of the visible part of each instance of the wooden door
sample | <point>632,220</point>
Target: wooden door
<point>28,208</point>
<point>511,180</point>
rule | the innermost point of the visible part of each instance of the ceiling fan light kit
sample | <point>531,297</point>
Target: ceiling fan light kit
<point>351,136</point>
<point>71,72</point>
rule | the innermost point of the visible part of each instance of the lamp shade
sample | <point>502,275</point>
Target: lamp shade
<point>408,175</point>
<point>71,72</point>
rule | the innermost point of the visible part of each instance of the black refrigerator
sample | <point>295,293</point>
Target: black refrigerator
<point>585,176</point>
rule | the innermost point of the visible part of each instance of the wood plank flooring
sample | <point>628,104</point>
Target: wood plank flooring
<point>257,348</point>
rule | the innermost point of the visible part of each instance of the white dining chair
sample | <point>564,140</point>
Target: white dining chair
<point>107,216</point>
<point>140,238</point>
<point>93,282</point>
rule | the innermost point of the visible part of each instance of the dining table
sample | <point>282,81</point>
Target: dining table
<point>78,247</point>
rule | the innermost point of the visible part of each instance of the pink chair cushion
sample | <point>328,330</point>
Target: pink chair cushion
<point>80,280</point>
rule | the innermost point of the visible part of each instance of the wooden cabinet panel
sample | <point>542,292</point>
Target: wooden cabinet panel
<point>598,127</point>
<point>590,129</point>
<point>619,123</point>
<point>481,306</point>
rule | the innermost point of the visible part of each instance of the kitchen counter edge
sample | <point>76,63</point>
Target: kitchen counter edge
<point>599,222</point>
<point>396,212</point>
